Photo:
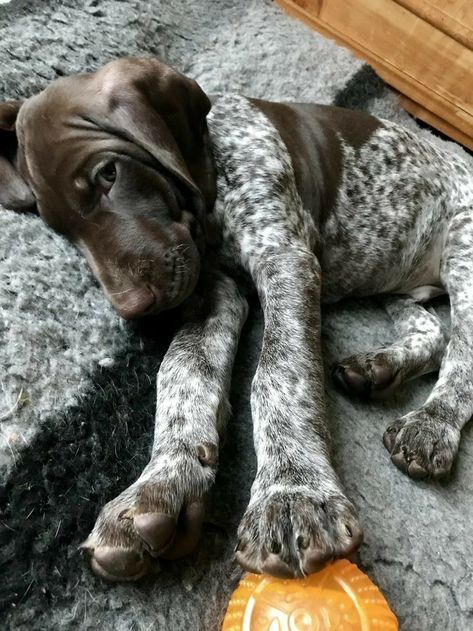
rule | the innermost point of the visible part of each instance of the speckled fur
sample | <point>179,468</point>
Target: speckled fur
<point>401,224</point>
<point>298,516</point>
<point>418,351</point>
<point>420,244</point>
<point>192,410</point>
<point>396,201</point>
<point>401,215</point>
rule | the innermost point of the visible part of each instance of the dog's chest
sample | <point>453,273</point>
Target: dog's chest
<point>388,229</point>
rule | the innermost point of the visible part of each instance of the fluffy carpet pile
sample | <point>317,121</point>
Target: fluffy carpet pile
<point>77,385</point>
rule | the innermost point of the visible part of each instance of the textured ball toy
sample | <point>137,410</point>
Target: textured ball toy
<point>339,598</point>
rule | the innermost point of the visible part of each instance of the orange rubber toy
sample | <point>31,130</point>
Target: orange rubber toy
<point>339,598</point>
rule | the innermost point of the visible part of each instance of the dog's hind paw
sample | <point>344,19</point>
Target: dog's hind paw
<point>422,446</point>
<point>368,375</point>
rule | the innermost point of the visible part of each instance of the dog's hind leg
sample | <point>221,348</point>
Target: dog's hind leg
<point>418,351</point>
<point>425,442</point>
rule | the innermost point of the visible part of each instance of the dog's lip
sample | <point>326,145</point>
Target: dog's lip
<point>184,285</point>
<point>182,275</point>
<point>146,294</point>
<point>180,285</point>
<point>176,279</point>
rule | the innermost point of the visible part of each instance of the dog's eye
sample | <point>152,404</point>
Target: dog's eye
<point>106,176</point>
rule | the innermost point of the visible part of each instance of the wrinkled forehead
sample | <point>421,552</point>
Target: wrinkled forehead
<point>44,118</point>
<point>56,132</point>
<point>68,99</point>
<point>54,143</point>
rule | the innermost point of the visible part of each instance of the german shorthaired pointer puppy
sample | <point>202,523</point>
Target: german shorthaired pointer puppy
<point>175,206</point>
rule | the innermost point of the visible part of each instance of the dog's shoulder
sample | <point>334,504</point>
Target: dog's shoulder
<point>258,204</point>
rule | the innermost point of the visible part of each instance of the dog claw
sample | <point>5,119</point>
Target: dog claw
<point>382,375</point>
<point>416,471</point>
<point>400,462</point>
<point>350,380</point>
<point>275,566</point>
<point>188,533</point>
<point>241,558</point>
<point>207,454</point>
<point>316,560</point>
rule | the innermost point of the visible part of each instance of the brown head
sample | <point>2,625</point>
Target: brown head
<point>119,162</point>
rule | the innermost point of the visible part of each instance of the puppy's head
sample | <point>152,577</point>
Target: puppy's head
<point>119,162</point>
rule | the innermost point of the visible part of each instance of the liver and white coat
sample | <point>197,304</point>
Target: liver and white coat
<point>305,204</point>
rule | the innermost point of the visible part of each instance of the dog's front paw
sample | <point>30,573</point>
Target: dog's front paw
<point>422,445</point>
<point>368,375</point>
<point>293,531</point>
<point>160,515</point>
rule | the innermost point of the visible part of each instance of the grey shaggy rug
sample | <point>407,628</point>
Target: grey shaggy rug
<point>77,385</point>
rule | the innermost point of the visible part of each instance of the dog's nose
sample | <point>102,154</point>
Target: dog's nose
<point>135,302</point>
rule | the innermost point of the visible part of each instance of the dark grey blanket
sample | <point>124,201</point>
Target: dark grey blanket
<point>77,385</point>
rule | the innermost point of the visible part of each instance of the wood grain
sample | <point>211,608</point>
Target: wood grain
<point>452,17</point>
<point>427,65</point>
<point>418,111</point>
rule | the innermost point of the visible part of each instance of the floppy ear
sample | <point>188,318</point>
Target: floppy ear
<point>14,191</point>
<point>164,112</point>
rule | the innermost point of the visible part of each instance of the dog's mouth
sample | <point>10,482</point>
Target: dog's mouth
<point>151,298</point>
<point>160,278</point>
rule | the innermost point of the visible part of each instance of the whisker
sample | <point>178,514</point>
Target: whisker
<point>119,293</point>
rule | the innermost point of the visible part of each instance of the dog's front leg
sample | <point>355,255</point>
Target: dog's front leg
<point>161,513</point>
<point>298,517</point>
